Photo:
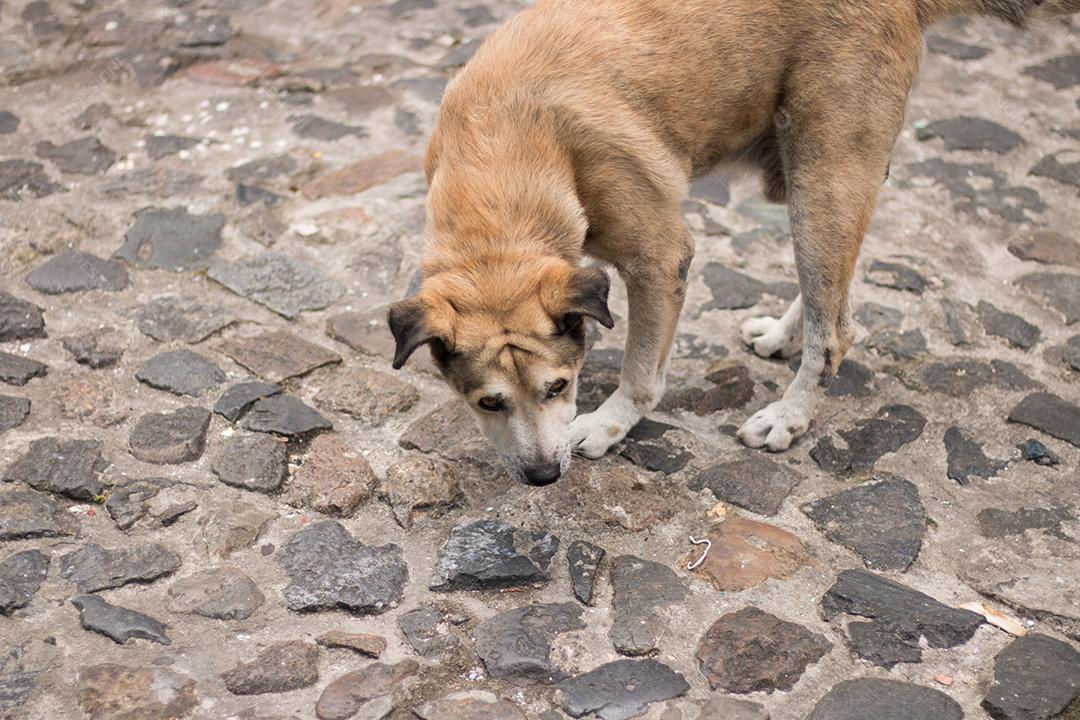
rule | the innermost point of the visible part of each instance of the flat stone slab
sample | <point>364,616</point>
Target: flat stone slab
<point>745,553</point>
<point>96,349</point>
<point>971,133</point>
<point>284,415</point>
<point>93,567</point>
<point>1047,247</point>
<point>752,651</point>
<point>733,290</point>
<point>885,700</point>
<point>19,319</point>
<point>169,318</point>
<point>1063,72</point>
<point>285,285</point>
<point>65,467</point>
<point>1035,678</point>
<point>1009,326</point>
<point>252,462</point>
<point>343,697</point>
<point>21,576</point>
<point>469,705</point>
<point>130,502</point>
<point>899,617</point>
<point>328,569</point>
<point>224,593</point>
<point>278,355</point>
<point>19,370</point>
<point>333,478</point>
<point>13,411</point>
<point>621,690</point>
<point>642,590</point>
<point>584,560</point>
<point>110,690</point>
<point>172,239</point>
<point>715,708</point>
<point>753,483</point>
<point>896,276</point>
<point>75,271</point>
<point>999,523</point>
<point>488,554</point>
<point>278,668</point>
<point>966,458</point>
<point>1058,290</point>
<point>86,156</point>
<point>370,396</point>
<point>9,123</point>
<point>28,514</point>
<point>884,521</point>
<point>181,372</point>
<point>605,491</point>
<point>1050,414</point>
<point>363,643</point>
<point>117,623</point>
<point>170,438</point>
<point>960,378</point>
<point>516,644</point>
<point>239,398</point>
<point>891,428</point>
<point>419,488</point>
<point>426,630</point>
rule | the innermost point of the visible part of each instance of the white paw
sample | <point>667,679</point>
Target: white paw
<point>775,427</point>
<point>768,336</point>
<point>591,435</point>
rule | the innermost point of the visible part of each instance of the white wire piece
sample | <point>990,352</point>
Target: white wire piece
<point>697,563</point>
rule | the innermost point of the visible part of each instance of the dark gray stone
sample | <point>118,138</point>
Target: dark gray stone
<point>8,123</point>
<point>1071,354</point>
<point>516,644</point>
<point>1065,173</point>
<point>752,651</point>
<point>160,146</point>
<point>86,156</point>
<point>18,176</point>
<point>128,503</point>
<point>16,683</point>
<point>1035,678</point>
<point>328,569</point>
<point>281,283</point>
<point>75,271</point>
<point>181,372</point>
<point>732,388</point>
<point>66,467</point>
<point>485,554</point>
<point>853,379</point>
<point>19,319</point>
<point>642,589</point>
<point>598,378</point>
<point>891,428</point>
<point>954,323</point>
<point>13,410</point>
<point>1060,291</point>
<point>940,45</point>
<point>997,523</point>
<point>19,370</point>
<point>1062,72</point>
<point>172,239</point>
<point>284,415</point>
<point>971,133</point>
<point>906,345</point>
<point>117,623</point>
<point>278,668</point>
<point>93,567</point>
<point>899,617</point>
<point>238,399</point>
<point>94,349</point>
<point>421,628</point>
<point>980,188</point>
<point>646,446</point>
<point>252,462</point>
<point>250,194</point>
<point>883,521</point>
<point>960,378</point>
<point>203,30</point>
<point>21,575</point>
<point>221,593</point>
<point>967,459</point>
<point>885,700</point>
<point>1050,414</point>
<point>28,514</point>
<point>732,290</point>
<point>314,127</point>
<point>1018,331</point>
<point>753,483</point>
<point>262,170</point>
<point>621,690</point>
<point>170,438</point>
<point>158,182</point>
<point>1047,247</point>
<point>459,55</point>
<point>897,277</point>
<point>584,560</point>
<point>171,317</point>
<point>711,188</point>
<point>1034,451</point>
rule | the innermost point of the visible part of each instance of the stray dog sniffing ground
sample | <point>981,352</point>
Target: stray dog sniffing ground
<point>575,131</point>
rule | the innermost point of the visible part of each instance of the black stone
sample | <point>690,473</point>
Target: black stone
<point>16,683</point>
<point>421,628</point>
<point>314,127</point>
<point>997,523</point>
<point>1034,451</point>
<point>65,467</point>
<point>972,193</point>
<point>885,700</point>
<point>19,320</point>
<point>1062,72</point>
<point>17,176</point>
<point>1050,414</point>
<point>940,45</point>
<point>13,410</point>
<point>486,554</point>
<point>250,194</point>
<point>906,345</point>
<point>181,372</point>
<point>652,451</point>
<point>960,378</point>
<point>753,483</point>
<point>117,623</point>
<point>1059,290</point>
<point>284,415</point>
<point>8,123</point>
<point>1018,331</point>
<point>732,290</point>
<point>853,379</point>
<point>172,239</point>
<point>621,690</point>
<point>971,133</point>
<point>329,569</point>
<point>899,615</point>
<point>252,462</point>
<point>516,644</point>
<point>893,427</point>
<point>86,156</point>
<point>93,567</point>
<point>641,589</point>
<point>883,521</point>
<point>1036,678</point>
<point>238,399</point>
<point>76,271</point>
<point>171,317</point>
<point>28,514</point>
<point>18,370</point>
<point>170,438</point>
<point>21,575</point>
<point>160,146</point>
<point>93,350</point>
<point>967,459</point>
<point>897,277</point>
<point>584,560</point>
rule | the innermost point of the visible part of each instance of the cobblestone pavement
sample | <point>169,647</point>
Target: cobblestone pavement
<point>219,502</point>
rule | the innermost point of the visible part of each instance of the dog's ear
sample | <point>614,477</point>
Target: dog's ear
<point>410,329</point>
<point>587,296</point>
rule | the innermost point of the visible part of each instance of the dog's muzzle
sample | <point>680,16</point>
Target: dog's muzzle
<point>540,475</point>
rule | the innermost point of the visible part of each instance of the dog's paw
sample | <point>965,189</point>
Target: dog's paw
<point>593,434</point>
<point>769,336</point>
<point>775,427</point>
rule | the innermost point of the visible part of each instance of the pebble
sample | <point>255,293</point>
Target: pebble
<point>1019,332</point>
<point>13,411</point>
<point>19,176</point>
<point>751,482</point>
<point>1063,72</point>
<point>584,560</point>
<point>252,462</point>
<point>469,705</point>
<point>117,623</point>
<point>284,415</point>
<point>181,372</point>
<point>238,399</point>
<point>66,467</point>
<point>96,349</point>
<point>283,284</point>
<point>1034,451</point>
<point>961,378</point>
<point>26,514</point>
<point>370,396</point>
<point>891,428</point>
<point>227,529</point>
<point>332,479</point>
<point>1047,247</point>
<point>277,668</point>
<point>362,175</point>
<point>745,553</point>
<point>732,290</point>
<point>1059,291</point>
<point>1035,678</point>
<point>621,689</point>
<point>642,590</point>
<point>129,502</point>
<point>966,458</point>
<point>19,370</point>
<point>86,156</point>
<point>424,630</point>
<point>21,575</point>
<point>896,276</point>
<point>516,644</point>
<point>419,488</point>
<point>370,645</point>
<point>1050,414</point>
<point>487,554</point>
<point>343,697</point>
<point>170,438</point>
<point>19,319</point>
<point>971,133</point>
<point>883,699</point>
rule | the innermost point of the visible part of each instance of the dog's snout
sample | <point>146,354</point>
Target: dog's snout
<point>541,475</point>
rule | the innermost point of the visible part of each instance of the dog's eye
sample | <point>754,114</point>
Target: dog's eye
<point>555,388</point>
<point>491,403</point>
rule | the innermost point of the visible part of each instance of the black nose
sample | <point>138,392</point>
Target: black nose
<point>540,475</point>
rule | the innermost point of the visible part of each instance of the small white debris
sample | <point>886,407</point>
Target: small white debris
<point>222,106</point>
<point>997,618</point>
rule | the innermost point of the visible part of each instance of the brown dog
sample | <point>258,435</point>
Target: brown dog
<point>576,129</point>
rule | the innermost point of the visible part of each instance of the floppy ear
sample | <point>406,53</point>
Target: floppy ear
<point>410,330</point>
<point>587,296</point>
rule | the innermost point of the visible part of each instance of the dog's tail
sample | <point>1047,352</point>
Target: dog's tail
<point>1017,12</point>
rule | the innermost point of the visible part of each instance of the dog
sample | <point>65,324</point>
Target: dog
<point>575,131</point>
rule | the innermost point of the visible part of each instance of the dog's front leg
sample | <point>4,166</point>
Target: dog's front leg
<point>656,288</point>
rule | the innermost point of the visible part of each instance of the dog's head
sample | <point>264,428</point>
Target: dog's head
<point>509,337</point>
